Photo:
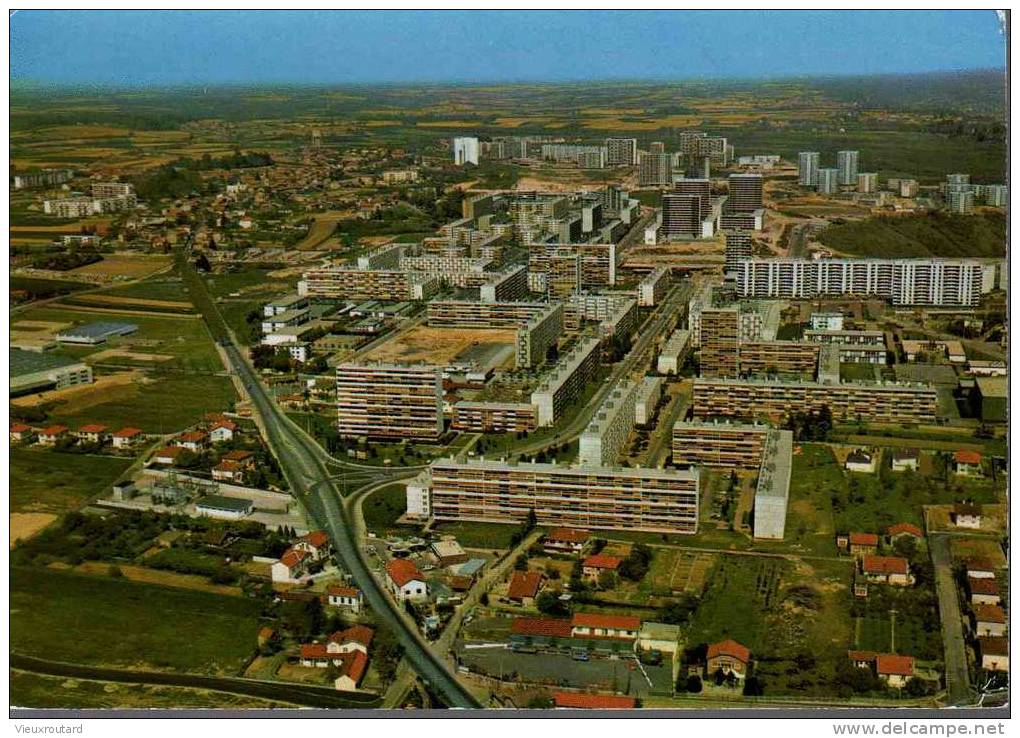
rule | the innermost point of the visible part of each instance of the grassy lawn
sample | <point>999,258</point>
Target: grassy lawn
<point>113,622</point>
<point>383,507</point>
<point>221,285</point>
<point>36,690</point>
<point>169,403</point>
<point>48,481</point>
<point>929,234</point>
<point>478,535</point>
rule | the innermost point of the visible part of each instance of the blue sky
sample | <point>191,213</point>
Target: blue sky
<point>195,47</point>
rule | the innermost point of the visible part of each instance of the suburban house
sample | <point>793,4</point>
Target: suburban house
<point>979,568</point>
<point>566,541</point>
<point>167,456</point>
<point>582,701</point>
<point>229,471</point>
<point>52,435</point>
<point>863,544</point>
<point>887,570</point>
<point>729,656</point>
<point>222,431</point>
<point>449,553</point>
<point>905,459</point>
<point>904,530</point>
<point>994,653</point>
<point>524,587</point>
<point>355,638</point>
<point>405,581</point>
<point>983,591</point>
<point>21,433</point>
<point>861,461</point>
<point>989,620</point>
<point>348,598</point>
<point>966,515</point>
<point>315,544</point>
<point>593,566</point>
<point>542,629</point>
<point>92,433</point>
<point>192,440</point>
<point>592,625</point>
<point>967,463</point>
<point>126,437</point>
<point>292,565</point>
<point>659,637</point>
<point>894,669</point>
<point>354,665</point>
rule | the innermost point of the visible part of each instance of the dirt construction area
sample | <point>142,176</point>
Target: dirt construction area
<point>119,266</point>
<point>443,346</point>
<point>80,397</point>
<point>25,525</point>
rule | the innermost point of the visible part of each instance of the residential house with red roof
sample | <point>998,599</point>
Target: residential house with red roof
<point>594,625</point>
<point>347,598</point>
<point>194,441</point>
<point>292,566</point>
<point>894,669</point>
<point>983,591</point>
<point>729,656</point>
<point>93,433</point>
<point>222,430</point>
<point>989,620</point>
<point>126,437</point>
<point>229,471</point>
<point>904,530</point>
<point>353,666</point>
<point>315,543</point>
<point>21,433</point>
<point>994,653</point>
<point>524,587</point>
<point>582,701</point>
<point>593,566</point>
<point>967,463</point>
<point>404,580</point>
<point>887,570</point>
<point>167,456</point>
<point>526,629</point>
<point>980,568</point>
<point>356,638</point>
<point>570,541</point>
<point>52,435</point>
<point>863,544</point>
<point>966,515</point>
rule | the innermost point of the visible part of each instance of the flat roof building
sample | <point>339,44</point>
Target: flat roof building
<point>389,401</point>
<point>31,371</point>
<point>95,333</point>
<point>772,492</point>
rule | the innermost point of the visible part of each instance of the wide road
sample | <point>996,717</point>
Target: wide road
<point>957,673</point>
<point>304,464</point>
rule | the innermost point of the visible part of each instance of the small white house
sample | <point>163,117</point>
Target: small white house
<point>347,598</point>
<point>404,580</point>
<point>860,461</point>
<point>222,431</point>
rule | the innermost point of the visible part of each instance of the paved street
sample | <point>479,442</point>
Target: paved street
<point>957,674</point>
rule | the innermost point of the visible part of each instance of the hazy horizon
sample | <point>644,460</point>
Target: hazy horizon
<point>458,48</point>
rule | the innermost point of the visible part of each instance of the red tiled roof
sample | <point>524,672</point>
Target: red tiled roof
<point>238,455</point>
<point>967,457</point>
<point>317,538</point>
<point>993,646</point>
<point>978,563</point>
<point>546,627</point>
<point>355,663</point>
<point>891,663</point>
<point>402,571</point>
<point>292,557</point>
<point>863,539</point>
<point>53,430</point>
<point>338,591</point>
<point>172,451</point>
<point>577,701</point>
<point>594,620</point>
<point>314,651</point>
<point>730,647</point>
<point>229,425</point>
<point>602,561</point>
<point>524,584</point>
<point>227,465</point>
<point>92,428</point>
<point>361,634</point>
<point>861,655</point>
<point>885,565</point>
<point>989,614</point>
<point>905,529</point>
<point>127,432</point>
<point>20,428</point>
<point>967,508</point>
<point>568,535</point>
<point>191,437</point>
<point>982,585</point>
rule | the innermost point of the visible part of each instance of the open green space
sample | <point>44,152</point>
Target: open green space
<point>479,535</point>
<point>114,622</point>
<point>49,481</point>
<point>382,508</point>
<point>929,234</point>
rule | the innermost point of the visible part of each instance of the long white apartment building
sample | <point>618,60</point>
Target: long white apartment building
<point>510,284</point>
<point>389,401</point>
<point>470,314</point>
<point>772,493</point>
<point>535,337</point>
<point>603,440</point>
<point>566,380</point>
<point>608,498</point>
<point>649,392</point>
<point>384,257</point>
<point>958,282</point>
<point>653,288</point>
<point>673,355</point>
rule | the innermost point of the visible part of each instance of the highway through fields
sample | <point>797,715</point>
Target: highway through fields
<point>306,466</point>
